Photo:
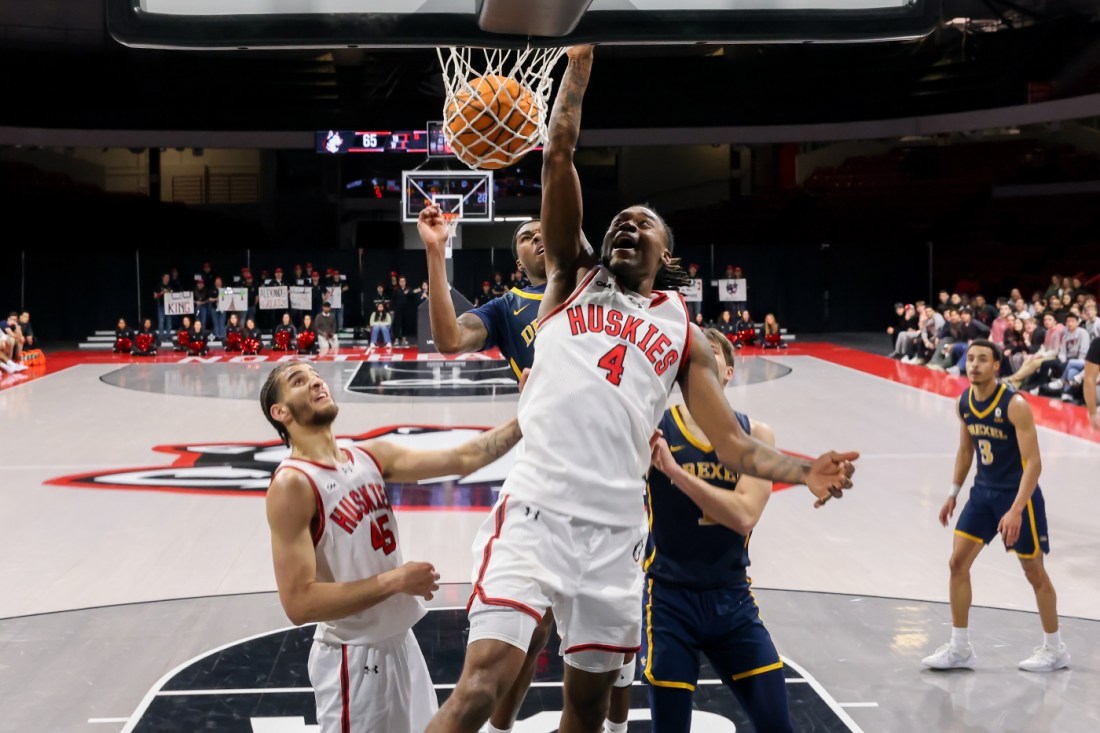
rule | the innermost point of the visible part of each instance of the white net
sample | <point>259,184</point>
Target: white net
<point>497,103</point>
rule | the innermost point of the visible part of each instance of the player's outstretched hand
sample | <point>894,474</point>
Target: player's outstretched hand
<point>661,456</point>
<point>1009,526</point>
<point>418,579</point>
<point>830,474</point>
<point>432,228</point>
<point>947,510</point>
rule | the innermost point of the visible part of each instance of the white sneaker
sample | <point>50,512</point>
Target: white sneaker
<point>906,360</point>
<point>1045,659</point>
<point>9,367</point>
<point>950,657</point>
<point>1055,385</point>
<point>954,371</point>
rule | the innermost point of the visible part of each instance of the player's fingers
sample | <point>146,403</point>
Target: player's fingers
<point>821,502</point>
<point>836,457</point>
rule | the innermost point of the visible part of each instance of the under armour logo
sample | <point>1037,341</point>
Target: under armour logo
<point>527,512</point>
<point>371,669</point>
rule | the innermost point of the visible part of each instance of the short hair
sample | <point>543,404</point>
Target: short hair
<point>1073,315</point>
<point>515,236</point>
<point>717,338</point>
<point>271,393</point>
<point>989,345</point>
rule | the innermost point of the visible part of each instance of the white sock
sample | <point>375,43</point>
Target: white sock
<point>490,728</point>
<point>960,638</point>
<point>1053,641</point>
<point>610,727</point>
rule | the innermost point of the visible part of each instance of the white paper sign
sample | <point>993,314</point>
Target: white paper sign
<point>274,297</point>
<point>735,291</point>
<point>232,299</point>
<point>333,296</point>
<point>693,293</point>
<point>301,298</point>
<point>179,304</point>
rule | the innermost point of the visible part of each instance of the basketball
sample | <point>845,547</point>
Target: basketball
<point>489,127</point>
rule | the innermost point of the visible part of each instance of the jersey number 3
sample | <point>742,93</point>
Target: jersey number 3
<point>612,361</point>
<point>986,451</point>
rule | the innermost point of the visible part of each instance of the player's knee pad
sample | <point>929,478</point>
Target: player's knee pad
<point>626,673</point>
<point>501,623</point>
<point>596,661</point>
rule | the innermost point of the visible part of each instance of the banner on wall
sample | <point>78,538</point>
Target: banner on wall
<point>274,297</point>
<point>301,298</point>
<point>733,290</point>
<point>232,299</point>
<point>179,304</point>
<point>333,296</point>
<point>693,293</point>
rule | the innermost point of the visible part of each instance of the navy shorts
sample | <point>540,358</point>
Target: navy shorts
<point>723,623</point>
<point>984,509</point>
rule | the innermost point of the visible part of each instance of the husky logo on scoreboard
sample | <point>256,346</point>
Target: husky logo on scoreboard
<point>246,468</point>
<point>218,690</point>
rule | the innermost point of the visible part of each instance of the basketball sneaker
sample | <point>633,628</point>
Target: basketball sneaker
<point>951,657</point>
<point>1045,659</point>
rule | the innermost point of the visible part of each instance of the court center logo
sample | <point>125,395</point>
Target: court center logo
<point>246,468</point>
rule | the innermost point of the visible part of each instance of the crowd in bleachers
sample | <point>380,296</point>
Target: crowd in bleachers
<point>16,338</point>
<point>1044,339</point>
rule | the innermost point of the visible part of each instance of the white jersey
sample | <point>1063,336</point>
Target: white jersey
<point>605,363</point>
<point>355,539</point>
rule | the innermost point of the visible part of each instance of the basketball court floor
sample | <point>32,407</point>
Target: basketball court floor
<point>138,590</point>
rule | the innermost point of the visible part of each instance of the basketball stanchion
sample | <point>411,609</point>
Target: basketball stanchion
<point>497,102</point>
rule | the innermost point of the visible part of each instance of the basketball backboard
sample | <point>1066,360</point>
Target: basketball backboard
<point>246,24</point>
<point>466,194</point>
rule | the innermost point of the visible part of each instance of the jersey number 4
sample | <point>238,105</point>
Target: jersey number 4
<point>381,536</point>
<point>612,361</point>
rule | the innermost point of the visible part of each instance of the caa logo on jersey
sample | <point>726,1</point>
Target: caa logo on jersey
<point>246,468</point>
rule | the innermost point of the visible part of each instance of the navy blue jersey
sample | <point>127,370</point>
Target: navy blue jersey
<point>512,320</point>
<point>686,547</point>
<point>1000,465</point>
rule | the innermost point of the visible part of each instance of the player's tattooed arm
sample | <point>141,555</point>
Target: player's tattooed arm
<point>405,465</point>
<point>826,476</point>
<point>568,253</point>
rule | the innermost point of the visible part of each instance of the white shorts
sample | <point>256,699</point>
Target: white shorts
<point>528,559</point>
<point>381,687</point>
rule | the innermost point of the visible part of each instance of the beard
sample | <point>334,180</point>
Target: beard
<point>314,417</point>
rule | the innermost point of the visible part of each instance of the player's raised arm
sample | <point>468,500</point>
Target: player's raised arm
<point>825,476</point>
<point>451,334</point>
<point>567,250</point>
<point>290,510</point>
<point>404,464</point>
<point>739,509</point>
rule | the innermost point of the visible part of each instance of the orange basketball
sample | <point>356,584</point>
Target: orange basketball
<point>488,128</point>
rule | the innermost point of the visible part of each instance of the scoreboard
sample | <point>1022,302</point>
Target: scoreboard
<point>430,141</point>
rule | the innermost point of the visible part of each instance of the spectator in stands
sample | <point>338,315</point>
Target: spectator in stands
<point>298,276</point>
<point>145,340</point>
<point>746,329</point>
<point>307,337</point>
<point>518,281</point>
<point>1052,344</point>
<point>307,271</point>
<point>341,283</point>
<point>393,284</point>
<point>1067,301</point>
<point>1054,307</point>
<point>924,348</point>
<point>1090,323</point>
<point>1090,390</point>
<point>278,281</point>
<point>412,314</point>
<point>956,301</point>
<point>1066,288</point>
<point>7,352</point>
<point>423,296</point>
<point>207,274</point>
<point>381,297</point>
<point>253,296</point>
<point>251,338</point>
<point>326,329</point>
<point>199,342</point>
<point>1054,287</point>
<point>727,327</point>
<point>944,302</point>
<point>948,334</point>
<point>30,342</point>
<point>906,332</point>
<point>380,322</point>
<point>203,313</point>
<point>969,329</point>
<point>1020,307</point>
<point>898,327</point>
<point>999,324</point>
<point>484,296</point>
<point>498,288</point>
<point>233,338</point>
<point>1015,295</point>
<point>1017,342</point>
<point>317,292</point>
<point>174,283</point>
<point>124,338</point>
<point>1071,358</point>
<point>218,316</point>
<point>183,334</point>
<point>399,310</point>
<point>282,338</point>
<point>1077,287</point>
<point>701,322</point>
<point>11,328</point>
<point>165,323</point>
<point>773,338</point>
<point>983,311</point>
